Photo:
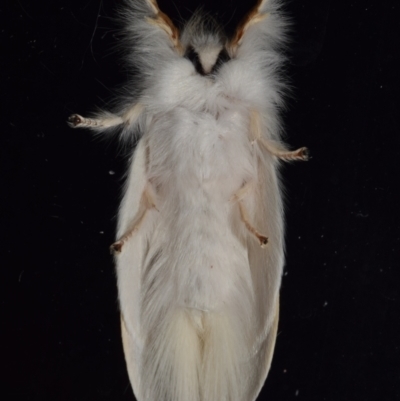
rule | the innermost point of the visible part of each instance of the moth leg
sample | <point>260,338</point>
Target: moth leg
<point>274,147</point>
<point>238,197</point>
<point>77,121</point>
<point>146,204</point>
<point>106,120</point>
<point>245,218</point>
<point>116,247</point>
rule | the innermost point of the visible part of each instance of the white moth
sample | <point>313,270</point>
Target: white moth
<point>199,249</point>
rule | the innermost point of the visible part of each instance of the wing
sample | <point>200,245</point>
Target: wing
<point>266,266</point>
<point>255,45</point>
<point>147,28</point>
<point>128,265</point>
<point>135,250</point>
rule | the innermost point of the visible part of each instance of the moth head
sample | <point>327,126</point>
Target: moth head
<point>202,41</point>
<point>204,44</point>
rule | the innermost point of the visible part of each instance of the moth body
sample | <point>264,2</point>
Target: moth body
<point>199,248</point>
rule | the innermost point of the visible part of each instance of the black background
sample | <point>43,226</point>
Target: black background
<point>339,333</point>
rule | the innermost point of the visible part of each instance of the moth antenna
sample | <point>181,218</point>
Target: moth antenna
<point>254,16</point>
<point>162,21</point>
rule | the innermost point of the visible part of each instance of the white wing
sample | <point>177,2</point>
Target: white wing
<point>266,269</point>
<point>255,42</point>
<point>129,263</point>
<point>144,295</point>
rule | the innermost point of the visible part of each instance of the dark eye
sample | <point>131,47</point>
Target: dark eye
<point>223,57</point>
<point>192,55</point>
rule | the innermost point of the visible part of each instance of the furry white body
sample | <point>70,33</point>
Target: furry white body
<point>202,308</point>
<point>198,294</point>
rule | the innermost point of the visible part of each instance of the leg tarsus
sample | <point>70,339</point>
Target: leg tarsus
<point>75,120</point>
<point>116,247</point>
